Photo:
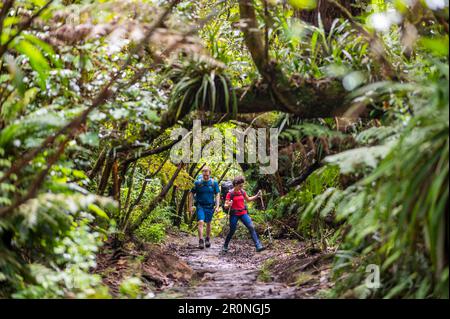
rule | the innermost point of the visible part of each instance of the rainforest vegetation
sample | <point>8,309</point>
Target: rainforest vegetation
<point>91,205</point>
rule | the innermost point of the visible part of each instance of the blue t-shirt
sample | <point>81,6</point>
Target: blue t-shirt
<point>205,191</point>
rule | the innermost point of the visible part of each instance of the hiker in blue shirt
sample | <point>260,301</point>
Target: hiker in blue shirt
<point>207,201</point>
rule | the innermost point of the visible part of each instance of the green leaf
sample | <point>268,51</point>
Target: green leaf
<point>213,91</point>
<point>205,88</point>
<point>226,93</point>
<point>47,48</point>
<point>39,3</point>
<point>30,96</point>
<point>313,44</point>
<point>37,61</point>
<point>90,138</point>
<point>16,74</point>
<point>9,21</point>
<point>181,105</point>
<point>100,212</point>
<point>438,46</point>
<point>303,4</point>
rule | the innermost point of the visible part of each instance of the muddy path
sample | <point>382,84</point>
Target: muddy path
<point>287,269</point>
<point>179,269</point>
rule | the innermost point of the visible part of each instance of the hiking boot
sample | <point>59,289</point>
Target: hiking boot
<point>260,248</point>
<point>207,242</point>
<point>201,244</point>
<point>225,249</point>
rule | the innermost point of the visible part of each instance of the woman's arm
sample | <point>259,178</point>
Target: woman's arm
<point>251,198</point>
<point>227,201</point>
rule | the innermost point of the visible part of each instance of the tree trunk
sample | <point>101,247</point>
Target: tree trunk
<point>125,220</point>
<point>185,195</point>
<point>106,173</point>
<point>156,201</point>
<point>98,164</point>
<point>176,220</point>
<point>328,12</point>
<point>130,188</point>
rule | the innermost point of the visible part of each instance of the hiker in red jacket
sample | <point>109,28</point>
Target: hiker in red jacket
<point>236,199</point>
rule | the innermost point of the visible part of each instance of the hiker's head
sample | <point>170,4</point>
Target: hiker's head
<point>206,172</point>
<point>238,181</point>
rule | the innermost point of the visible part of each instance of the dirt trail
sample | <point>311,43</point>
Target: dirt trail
<point>179,269</point>
<point>244,273</point>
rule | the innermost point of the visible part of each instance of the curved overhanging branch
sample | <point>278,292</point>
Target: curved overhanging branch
<point>314,99</point>
<point>304,98</point>
<point>310,99</point>
<point>269,71</point>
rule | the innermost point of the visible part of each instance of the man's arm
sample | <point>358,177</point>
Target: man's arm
<point>217,190</point>
<point>217,201</point>
<point>190,202</point>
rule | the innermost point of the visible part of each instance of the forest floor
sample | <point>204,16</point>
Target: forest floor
<point>179,269</point>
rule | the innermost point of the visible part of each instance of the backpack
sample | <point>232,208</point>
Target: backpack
<point>225,188</point>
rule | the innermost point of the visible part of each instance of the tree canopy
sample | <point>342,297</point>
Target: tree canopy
<point>90,91</point>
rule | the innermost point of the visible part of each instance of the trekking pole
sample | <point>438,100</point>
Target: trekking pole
<point>229,209</point>
<point>265,217</point>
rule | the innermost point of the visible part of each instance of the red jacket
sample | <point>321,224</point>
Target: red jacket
<point>238,202</point>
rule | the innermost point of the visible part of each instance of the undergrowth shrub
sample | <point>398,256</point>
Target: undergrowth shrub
<point>153,229</point>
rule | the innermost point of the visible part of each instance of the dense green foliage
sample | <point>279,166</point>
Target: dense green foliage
<point>91,90</point>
